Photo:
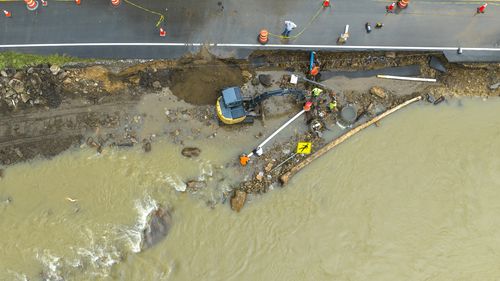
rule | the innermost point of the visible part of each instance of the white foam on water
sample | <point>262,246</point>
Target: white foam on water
<point>175,182</point>
<point>98,257</point>
<point>18,276</point>
<point>206,170</point>
<point>134,234</point>
<point>51,264</point>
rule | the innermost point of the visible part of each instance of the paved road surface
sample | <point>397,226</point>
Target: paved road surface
<point>425,23</point>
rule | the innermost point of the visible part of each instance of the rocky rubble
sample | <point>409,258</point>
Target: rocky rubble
<point>32,86</point>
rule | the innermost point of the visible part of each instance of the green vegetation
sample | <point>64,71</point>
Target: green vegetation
<point>19,60</point>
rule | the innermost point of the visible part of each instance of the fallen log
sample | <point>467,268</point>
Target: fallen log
<point>286,176</point>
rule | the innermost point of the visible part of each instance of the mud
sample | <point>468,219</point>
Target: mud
<point>200,81</point>
<point>48,113</point>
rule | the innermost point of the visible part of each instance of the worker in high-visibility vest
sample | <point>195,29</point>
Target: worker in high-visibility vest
<point>316,92</point>
<point>332,106</point>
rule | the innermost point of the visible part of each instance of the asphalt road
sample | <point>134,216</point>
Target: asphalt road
<point>434,24</point>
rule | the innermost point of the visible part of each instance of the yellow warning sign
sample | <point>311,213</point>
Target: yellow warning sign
<point>304,148</point>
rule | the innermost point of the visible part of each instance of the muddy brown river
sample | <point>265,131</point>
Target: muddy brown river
<point>415,199</point>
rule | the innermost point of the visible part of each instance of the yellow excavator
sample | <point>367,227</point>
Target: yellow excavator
<point>233,108</point>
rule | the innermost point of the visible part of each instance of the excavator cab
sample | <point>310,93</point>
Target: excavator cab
<point>230,108</point>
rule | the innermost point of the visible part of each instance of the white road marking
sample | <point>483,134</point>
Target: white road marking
<point>258,46</point>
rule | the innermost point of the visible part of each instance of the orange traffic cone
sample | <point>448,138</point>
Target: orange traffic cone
<point>115,2</point>
<point>31,4</point>
<point>326,3</point>
<point>78,2</point>
<point>7,13</point>
<point>263,37</point>
<point>403,4</point>
<point>163,33</point>
<point>481,8</point>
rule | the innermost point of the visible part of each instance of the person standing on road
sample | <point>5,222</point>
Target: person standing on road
<point>289,26</point>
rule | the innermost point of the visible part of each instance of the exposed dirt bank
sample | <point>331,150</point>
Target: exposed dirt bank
<point>47,109</point>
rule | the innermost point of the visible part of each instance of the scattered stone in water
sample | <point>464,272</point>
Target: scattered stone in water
<point>146,146</point>
<point>159,223</point>
<point>191,152</point>
<point>194,185</point>
<point>265,79</point>
<point>378,91</point>
<point>238,200</point>
<point>439,100</point>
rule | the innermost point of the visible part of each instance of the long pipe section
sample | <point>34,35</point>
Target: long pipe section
<point>277,131</point>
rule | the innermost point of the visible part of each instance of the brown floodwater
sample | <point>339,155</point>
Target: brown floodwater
<point>415,199</point>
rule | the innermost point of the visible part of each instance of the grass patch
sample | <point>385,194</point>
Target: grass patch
<point>20,60</point>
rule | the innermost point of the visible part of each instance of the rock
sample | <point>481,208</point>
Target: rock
<point>495,86</point>
<point>25,97</point>
<point>238,200</point>
<point>9,93</point>
<point>146,146</point>
<point>18,75</point>
<point>191,152</point>
<point>3,73</point>
<point>62,75</point>
<point>268,167</point>
<point>430,98</point>
<point>378,91</point>
<point>259,176</point>
<point>194,185</point>
<point>391,55</point>
<point>255,81</point>
<point>247,75</point>
<point>17,85</point>
<point>265,79</point>
<point>55,69</point>
<point>157,85</point>
<point>157,228</point>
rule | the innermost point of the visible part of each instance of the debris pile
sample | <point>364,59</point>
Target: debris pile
<point>32,86</point>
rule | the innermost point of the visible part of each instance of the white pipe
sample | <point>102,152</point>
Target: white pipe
<point>407,78</point>
<point>276,132</point>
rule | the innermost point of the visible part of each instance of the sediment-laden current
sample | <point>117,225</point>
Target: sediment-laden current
<point>417,198</point>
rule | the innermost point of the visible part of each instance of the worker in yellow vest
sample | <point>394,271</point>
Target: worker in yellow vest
<point>316,92</point>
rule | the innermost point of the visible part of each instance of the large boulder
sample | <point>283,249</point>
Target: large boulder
<point>266,80</point>
<point>159,223</point>
<point>238,200</point>
<point>191,152</point>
